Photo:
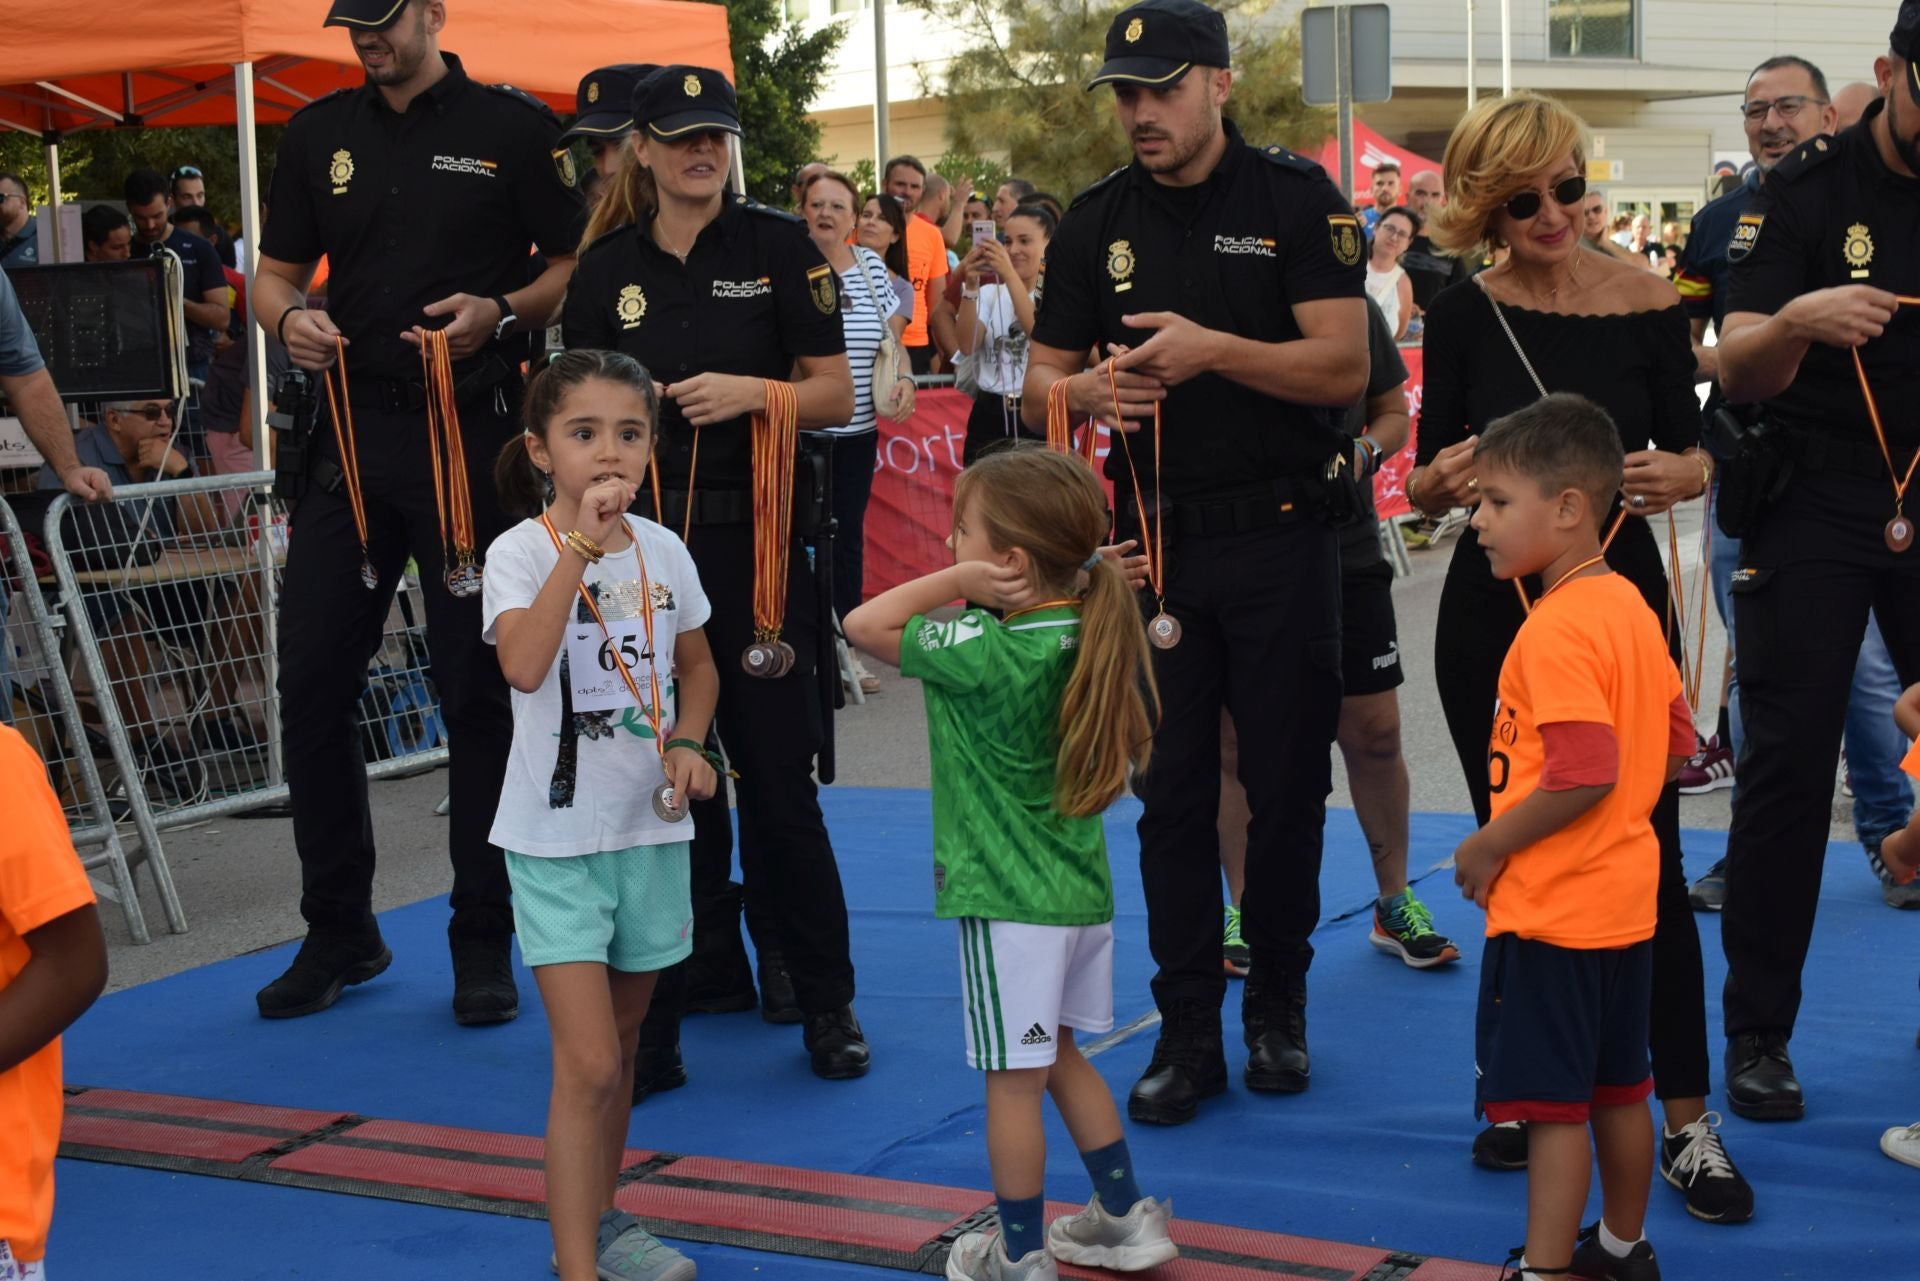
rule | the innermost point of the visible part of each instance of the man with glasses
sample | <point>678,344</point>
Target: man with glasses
<point>19,228</point>
<point>1593,227</point>
<point>1820,262</point>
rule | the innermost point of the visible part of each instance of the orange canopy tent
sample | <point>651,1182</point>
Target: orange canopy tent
<point>247,62</point>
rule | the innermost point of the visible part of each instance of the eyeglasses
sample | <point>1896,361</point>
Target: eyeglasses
<point>1788,107</point>
<point>1392,231</point>
<point>1567,191</point>
<point>152,413</point>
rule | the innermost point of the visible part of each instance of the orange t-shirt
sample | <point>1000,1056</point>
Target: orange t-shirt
<point>1590,653</point>
<point>40,881</point>
<point>1911,761</point>
<point>926,263</point>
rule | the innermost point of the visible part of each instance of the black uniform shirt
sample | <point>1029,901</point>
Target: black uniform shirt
<point>1264,231</point>
<point>1832,213</point>
<point>447,197</point>
<point>754,294</point>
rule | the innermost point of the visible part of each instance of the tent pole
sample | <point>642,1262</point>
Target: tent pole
<point>738,159</point>
<point>881,142</point>
<point>246,125</point>
<point>53,200</point>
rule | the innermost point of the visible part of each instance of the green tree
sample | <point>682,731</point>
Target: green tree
<point>778,68</point>
<point>1017,87</point>
<point>94,163</point>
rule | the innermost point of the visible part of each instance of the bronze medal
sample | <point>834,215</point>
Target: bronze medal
<point>1899,533</point>
<point>759,660</point>
<point>788,659</point>
<point>368,579</point>
<point>464,580</point>
<point>1164,631</point>
<point>665,804</point>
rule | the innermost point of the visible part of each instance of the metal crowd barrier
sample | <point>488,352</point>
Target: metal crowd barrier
<point>44,708</point>
<point>172,594</point>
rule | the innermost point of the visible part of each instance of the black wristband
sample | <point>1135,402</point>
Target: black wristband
<point>280,326</point>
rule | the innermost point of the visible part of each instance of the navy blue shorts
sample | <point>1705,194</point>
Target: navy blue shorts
<point>1561,1029</point>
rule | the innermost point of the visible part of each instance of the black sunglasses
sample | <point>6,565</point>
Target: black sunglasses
<point>152,413</point>
<point>1567,191</point>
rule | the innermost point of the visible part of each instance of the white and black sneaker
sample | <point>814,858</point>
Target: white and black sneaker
<point>1696,1162</point>
<point>1501,1146</point>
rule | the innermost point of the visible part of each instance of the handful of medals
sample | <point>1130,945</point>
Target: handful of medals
<point>776,441</point>
<point>451,496</point>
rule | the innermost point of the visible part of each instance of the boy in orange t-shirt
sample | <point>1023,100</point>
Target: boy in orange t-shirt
<point>1590,725</point>
<point>1900,851</point>
<point>53,963</point>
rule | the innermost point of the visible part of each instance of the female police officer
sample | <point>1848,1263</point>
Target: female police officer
<point>721,299</point>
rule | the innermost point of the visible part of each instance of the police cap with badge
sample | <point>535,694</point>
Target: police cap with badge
<point>680,101</point>
<point>365,15</point>
<point>1156,42</point>
<point>1905,43</point>
<point>604,104</point>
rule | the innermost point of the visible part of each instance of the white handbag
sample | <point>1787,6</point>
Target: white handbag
<point>890,368</point>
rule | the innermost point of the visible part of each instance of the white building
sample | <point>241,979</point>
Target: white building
<point>1657,80</point>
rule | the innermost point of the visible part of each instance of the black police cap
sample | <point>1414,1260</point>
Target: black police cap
<point>604,102</point>
<point>1905,42</point>
<point>365,15</point>
<point>1156,42</point>
<point>680,100</point>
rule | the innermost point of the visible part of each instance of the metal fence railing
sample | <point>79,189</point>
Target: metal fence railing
<point>42,705</point>
<point>172,592</point>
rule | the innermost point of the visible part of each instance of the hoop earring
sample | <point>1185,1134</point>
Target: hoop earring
<point>546,478</point>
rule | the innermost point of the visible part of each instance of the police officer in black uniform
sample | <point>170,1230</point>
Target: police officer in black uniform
<point>1820,261</point>
<point>1223,285</point>
<point>603,115</point>
<point>426,192</point>
<point>716,295</point>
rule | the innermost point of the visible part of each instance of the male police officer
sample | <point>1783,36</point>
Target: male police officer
<point>1224,286</point>
<point>426,191</point>
<point>1815,328</point>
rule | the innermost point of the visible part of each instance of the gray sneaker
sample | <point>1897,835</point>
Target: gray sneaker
<point>1709,893</point>
<point>982,1256</point>
<point>1893,895</point>
<point>628,1252</point>
<point>1133,1242</point>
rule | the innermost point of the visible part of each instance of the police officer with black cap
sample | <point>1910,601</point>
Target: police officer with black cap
<point>1223,286</point>
<point>603,115</point>
<point>722,298</point>
<point>426,191</point>
<point>1825,263</point>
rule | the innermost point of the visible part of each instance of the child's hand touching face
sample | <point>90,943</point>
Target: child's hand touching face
<point>603,507</point>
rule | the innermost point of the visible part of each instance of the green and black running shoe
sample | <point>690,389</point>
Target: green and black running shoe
<point>1403,926</point>
<point>1233,949</point>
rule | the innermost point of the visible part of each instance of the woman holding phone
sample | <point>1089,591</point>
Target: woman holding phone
<point>996,315</point>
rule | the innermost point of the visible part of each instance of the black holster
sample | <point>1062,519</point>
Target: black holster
<point>1755,467</point>
<point>296,407</point>
<point>813,521</point>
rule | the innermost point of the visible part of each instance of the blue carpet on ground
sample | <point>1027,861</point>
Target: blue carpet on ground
<point>1375,1153</point>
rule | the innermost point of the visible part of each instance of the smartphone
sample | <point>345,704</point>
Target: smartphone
<point>983,232</point>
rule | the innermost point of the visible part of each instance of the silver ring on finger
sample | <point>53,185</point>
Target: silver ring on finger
<point>1637,501</point>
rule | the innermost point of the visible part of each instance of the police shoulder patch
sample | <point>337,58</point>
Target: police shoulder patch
<point>820,286</point>
<point>1097,187</point>
<point>1746,234</point>
<point>1282,158</point>
<point>525,99</point>
<point>1808,156</point>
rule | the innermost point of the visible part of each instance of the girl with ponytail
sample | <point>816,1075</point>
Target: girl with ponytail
<point>1036,720</point>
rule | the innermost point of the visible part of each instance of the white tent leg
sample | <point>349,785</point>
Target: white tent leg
<point>250,219</point>
<point>53,199</point>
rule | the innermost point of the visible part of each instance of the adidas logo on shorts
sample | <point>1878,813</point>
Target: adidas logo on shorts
<point>1036,1035</point>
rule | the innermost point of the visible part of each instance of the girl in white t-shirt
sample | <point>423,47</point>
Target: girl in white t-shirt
<point>996,315</point>
<point>597,618</point>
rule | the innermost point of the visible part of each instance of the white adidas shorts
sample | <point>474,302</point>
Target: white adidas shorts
<point>1023,983</point>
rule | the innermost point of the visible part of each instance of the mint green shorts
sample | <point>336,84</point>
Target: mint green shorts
<point>628,909</point>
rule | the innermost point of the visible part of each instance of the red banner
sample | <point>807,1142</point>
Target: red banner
<point>911,513</point>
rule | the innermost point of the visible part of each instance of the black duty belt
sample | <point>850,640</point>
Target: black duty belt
<point>1279,501</point>
<point>1817,451</point>
<point>409,395</point>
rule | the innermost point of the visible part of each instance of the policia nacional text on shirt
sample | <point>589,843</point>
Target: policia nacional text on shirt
<point>426,192</point>
<point>1223,286</point>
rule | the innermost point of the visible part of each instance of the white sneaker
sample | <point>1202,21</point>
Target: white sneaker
<point>1132,1243</point>
<point>982,1256</point>
<point>1902,1143</point>
<point>869,683</point>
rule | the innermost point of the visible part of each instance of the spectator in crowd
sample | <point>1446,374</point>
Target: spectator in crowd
<point>906,182</point>
<point>55,967</point>
<point>1640,242</point>
<point>208,301</point>
<point>977,209</point>
<point>868,318</point>
<point>1387,282</point>
<point>1386,192</point>
<point>1622,229</point>
<point>803,179</point>
<point>1593,227</point>
<point>226,407</point>
<point>1617,335</point>
<point>1049,202</point>
<point>1851,102</point>
<point>1671,236</point>
<point>883,229</point>
<point>1429,271</point>
<point>19,227</point>
<point>199,221</point>
<point>1011,194</point>
<point>938,206</point>
<point>187,188</point>
<point>996,317</point>
<point>105,234</point>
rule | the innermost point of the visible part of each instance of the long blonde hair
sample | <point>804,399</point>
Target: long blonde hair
<point>1050,506</point>
<point>1494,151</point>
<point>626,197</point>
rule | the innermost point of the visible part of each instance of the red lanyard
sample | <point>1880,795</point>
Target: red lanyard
<point>646,616</point>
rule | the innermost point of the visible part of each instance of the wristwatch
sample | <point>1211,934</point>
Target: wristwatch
<point>507,318</point>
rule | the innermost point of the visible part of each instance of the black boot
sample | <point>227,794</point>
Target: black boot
<point>328,960</point>
<point>1273,1011</point>
<point>657,1069</point>
<point>719,979</point>
<point>483,987</point>
<point>778,1004</point>
<point>1188,1066</point>
<point>1761,1085</point>
<point>837,1045</point>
